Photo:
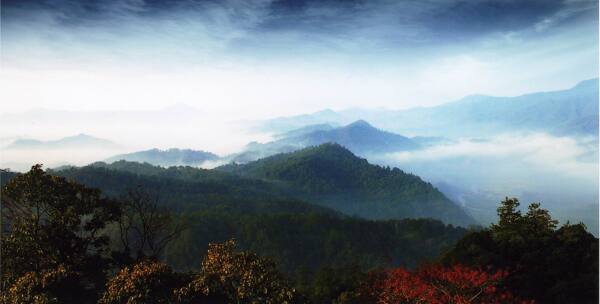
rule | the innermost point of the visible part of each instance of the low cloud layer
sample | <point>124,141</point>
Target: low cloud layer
<point>561,155</point>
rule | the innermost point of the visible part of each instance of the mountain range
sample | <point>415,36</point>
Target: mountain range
<point>80,141</point>
<point>566,112</point>
<point>167,158</point>
<point>327,175</point>
<point>360,137</point>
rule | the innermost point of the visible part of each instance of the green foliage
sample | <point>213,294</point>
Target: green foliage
<point>55,243</point>
<point>547,264</point>
<point>303,243</point>
<point>181,189</point>
<point>332,176</point>
<point>334,284</point>
<point>50,221</point>
<point>327,175</point>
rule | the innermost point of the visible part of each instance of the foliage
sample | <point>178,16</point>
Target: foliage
<point>327,175</point>
<point>300,237</point>
<point>302,243</point>
<point>145,228</point>
<point>334,283</point>
<point>51,221</point>
<point>55,247</point>
<point>332,176</point>
<point>546,264</point>
<point>148,282</point>
<point>45,287</point>
<point>239,277</point>
<point>441,285</point>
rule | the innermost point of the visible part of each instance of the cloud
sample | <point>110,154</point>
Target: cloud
<point>562,155</point>
<point>274,26</point>
<point>271,58</point>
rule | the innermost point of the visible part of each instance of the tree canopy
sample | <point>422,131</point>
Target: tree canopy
<point>546,263</point>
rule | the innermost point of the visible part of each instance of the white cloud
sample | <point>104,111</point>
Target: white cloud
<point>562,155</point>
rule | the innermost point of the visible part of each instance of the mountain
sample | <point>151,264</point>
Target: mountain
<point>167,158</point>
<point>360,137</point>
<point>215,206</point>
<point>566,112</point>
<point>304,130</point>
<point>81,141</point>
<point>285,124</point>
<point>332,176</point>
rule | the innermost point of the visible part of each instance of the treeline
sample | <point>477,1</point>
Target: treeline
<point>63,242</point>
<point>302,243</point>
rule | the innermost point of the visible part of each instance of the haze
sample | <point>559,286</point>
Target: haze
<point>260,59</point>
<point>203,74</point>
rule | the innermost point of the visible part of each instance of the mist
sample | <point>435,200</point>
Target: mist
<point>560,172</point>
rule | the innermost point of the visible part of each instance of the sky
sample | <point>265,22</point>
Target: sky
<point>260,59</point>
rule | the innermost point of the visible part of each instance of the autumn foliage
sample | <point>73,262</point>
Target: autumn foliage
<point>145,282</point>
<point>227,276</point>
<point>46,287</point>
<point>440,285</point>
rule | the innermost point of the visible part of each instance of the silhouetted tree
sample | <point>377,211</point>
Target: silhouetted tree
<point>145,228</point>
<point>546,264</point>
<point>53,222</point>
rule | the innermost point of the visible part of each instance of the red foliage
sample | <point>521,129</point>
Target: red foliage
<point>441,285</point>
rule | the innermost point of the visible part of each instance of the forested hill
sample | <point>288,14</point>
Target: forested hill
<point>184,189</point>
<point>263,216</point>
<point>332,176</point>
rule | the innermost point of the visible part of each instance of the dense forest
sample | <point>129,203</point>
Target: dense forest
<point>332,176</point>
<point>136,233</point>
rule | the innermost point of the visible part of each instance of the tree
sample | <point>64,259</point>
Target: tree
<point>50,222</point>
<point>237,277</point>
<point>148,282</point>
<point>144,227</point>
<point>546,264</point>
<point>46,287</point>
<point>442,285</point>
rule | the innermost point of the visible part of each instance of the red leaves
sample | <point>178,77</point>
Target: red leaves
<point>441,285</point>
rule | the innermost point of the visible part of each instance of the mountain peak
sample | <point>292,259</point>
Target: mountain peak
<point>590,83</point>
<point>80,136</point>
<point>360,124</point>
<point>330,147</point>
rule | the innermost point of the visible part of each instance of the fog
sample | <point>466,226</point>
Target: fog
<point>560,172</point>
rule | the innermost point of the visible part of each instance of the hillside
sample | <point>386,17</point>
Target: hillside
<point>302,237</point>
<point>181,189</point>
<point>332,176</point>
<point>167,158</point>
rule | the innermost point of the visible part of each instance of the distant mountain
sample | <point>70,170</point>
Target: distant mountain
<point>305,130</point>
<point>332,176</point>
<point>568,112</point>
<point>81,141</point>
<point>167,158</point>
<point>285,124</point>
<point>360,137</point>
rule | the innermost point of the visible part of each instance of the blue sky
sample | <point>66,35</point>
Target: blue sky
<point>256,59</point>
